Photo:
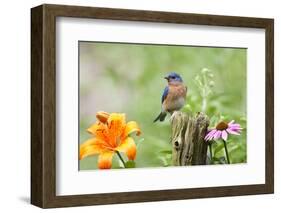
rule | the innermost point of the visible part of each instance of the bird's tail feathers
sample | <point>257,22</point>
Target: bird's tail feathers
<point>160,117</point>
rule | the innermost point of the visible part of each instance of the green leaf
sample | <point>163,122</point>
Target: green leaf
<point>165,152</point>
<point>218,148</point>
<point>130,164</point>
<point>117,167</point>
<point>141,140</point>
<point>220,160</point>
<point>233,148</point>
<point>164,161</point>
<point>187,108</point>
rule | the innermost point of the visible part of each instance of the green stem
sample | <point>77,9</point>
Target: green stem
<point>211,152</point>
<point>226,151</point>
<point>204,104</point>
<point>119,155</point>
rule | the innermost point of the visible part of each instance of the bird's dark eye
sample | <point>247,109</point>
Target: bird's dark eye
<point>173,77</point>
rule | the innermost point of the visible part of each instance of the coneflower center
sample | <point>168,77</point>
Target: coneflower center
<point>222,126</point>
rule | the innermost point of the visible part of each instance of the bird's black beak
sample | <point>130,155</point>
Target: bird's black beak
<point>167,78</point>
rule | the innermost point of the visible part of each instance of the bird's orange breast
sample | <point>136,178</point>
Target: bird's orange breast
<point>176,98</point>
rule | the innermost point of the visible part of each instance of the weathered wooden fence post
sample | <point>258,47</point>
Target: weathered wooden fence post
<point>188,132</point>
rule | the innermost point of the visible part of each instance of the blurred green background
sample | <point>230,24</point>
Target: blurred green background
<point>129,78</point>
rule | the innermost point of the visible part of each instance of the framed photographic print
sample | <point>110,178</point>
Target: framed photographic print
<point>136,106</point>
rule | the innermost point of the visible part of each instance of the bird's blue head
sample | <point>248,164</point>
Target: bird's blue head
<point>173,77</point>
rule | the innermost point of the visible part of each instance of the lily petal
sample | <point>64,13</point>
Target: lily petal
<point>90,147</point>
<point>102,116</point>
<point>100,131</point>
<point>105,160</point>
<point>116,123</point>
<point>93,128</point>
<point>128,146</point>
<point>131,127</point>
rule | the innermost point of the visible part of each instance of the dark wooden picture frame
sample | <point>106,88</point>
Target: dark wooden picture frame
<point>43,105</point>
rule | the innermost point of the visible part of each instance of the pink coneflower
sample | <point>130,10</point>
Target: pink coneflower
<point>222,130</point>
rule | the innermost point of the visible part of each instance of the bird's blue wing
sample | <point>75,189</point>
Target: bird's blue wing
<point>165,93</point>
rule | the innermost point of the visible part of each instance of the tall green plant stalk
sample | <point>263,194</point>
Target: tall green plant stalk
<point>211,152</point>
<point>121,159</point>
<point>204,83</point>
<point>226,151</point>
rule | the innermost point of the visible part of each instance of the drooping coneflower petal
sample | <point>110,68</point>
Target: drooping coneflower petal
<point>235,125</point>
<point>230,131</point>
<point>222,129</point>
<point>235,128</point>
<point>231,122</point>
<point>224,135</point>
<point>217,135</point>
<point>210,135</point>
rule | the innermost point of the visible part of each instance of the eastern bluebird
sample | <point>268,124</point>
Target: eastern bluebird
<point>173,97</point>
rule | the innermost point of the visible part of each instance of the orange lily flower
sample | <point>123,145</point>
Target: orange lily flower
<point>111,134</point>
